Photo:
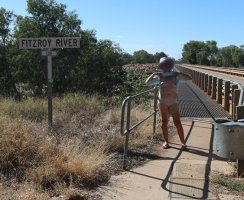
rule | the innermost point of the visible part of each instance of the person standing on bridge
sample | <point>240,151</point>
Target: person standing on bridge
<point>167,77</point>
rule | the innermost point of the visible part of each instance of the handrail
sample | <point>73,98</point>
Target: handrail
<point>125,130</point>
<point>125,101</point>
<point>240,102</point>
<point>201,79</point>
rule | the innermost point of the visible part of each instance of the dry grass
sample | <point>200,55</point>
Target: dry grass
<point>17,148</point>
<point>33,110</point>
<point>78,153</point>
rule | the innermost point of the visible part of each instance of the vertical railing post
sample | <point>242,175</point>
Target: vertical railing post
<point>199,79</point>
<point>233,103</point>
<point>236,98</point>
<point>219,91</point>
<point>202,80</point>
<point>209,85</point>
<point>155,108</point>
<point>227,96</point>
<point>195,77</point>
<point>127,133</point>
<point>214,88</point>
<point>206,83</point>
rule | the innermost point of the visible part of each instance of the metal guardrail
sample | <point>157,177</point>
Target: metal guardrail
<point>125,130</point>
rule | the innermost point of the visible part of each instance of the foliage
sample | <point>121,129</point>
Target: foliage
<point>82,151</point>
<point>229,183</point>
<point>6,79</point>
<point>143,57</point>
<point>230,56</point>
<point>197,52</point>
<point>95,67</point>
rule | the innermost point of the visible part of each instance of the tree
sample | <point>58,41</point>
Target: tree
<point>196,52</point>
<point>93,67</point>
<point>127,58</point>
<point>158,55</point>
<point>6,80</point>
<point>142,57</point>
<point>230,56</point>
<point>213,50</point>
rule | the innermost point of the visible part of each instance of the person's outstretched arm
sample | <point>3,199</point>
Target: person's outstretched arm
<point>153,78</point>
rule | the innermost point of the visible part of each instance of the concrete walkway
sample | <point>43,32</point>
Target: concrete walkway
<point>177,174</point>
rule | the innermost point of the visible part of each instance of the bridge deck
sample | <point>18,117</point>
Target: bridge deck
<point>195,103</point>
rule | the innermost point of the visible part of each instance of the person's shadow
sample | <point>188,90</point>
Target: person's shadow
<point>166,181</point>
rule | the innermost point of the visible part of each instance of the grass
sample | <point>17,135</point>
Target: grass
<point>28,109</point>
<point>80,152</point>
<point>229,182</point>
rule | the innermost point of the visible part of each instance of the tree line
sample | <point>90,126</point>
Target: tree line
<point>207,53</point>
<point>95,67</point>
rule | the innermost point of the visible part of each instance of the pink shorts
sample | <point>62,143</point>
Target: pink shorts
<point>167,102</point>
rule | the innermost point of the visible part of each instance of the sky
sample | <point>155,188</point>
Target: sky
<point>156,25</point>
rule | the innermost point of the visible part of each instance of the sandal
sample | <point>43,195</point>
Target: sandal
<point>165,145</point>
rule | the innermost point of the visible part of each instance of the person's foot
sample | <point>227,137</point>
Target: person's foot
<point>165,145</point>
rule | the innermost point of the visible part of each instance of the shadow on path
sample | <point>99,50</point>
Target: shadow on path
<point>205,189</point>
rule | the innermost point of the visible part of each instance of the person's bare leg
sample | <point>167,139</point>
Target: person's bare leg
<point>174,109</point>
<point>164,116</point>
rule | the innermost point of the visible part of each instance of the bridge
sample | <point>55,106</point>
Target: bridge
<point>223,85</point>
<point>213,94</point>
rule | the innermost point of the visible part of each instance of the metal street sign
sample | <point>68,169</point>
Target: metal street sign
<point>49,53</point>
<point>49,43</point>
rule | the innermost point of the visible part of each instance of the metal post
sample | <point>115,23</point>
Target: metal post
<point>127,134</point>
<point>155,109</point>
<point>49,89</point>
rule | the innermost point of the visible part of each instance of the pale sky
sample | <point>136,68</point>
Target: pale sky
<point>156,25</point>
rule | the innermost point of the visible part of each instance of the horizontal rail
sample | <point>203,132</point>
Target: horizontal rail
<point>125,102</point>
<point>225,70</point>
<point>140,122</point>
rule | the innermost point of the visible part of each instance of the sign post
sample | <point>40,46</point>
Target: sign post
<point>47,44</point>
<point>49,53</point>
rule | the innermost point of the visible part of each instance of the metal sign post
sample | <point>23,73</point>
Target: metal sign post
<point>47,44</point>
<point>49,53</point>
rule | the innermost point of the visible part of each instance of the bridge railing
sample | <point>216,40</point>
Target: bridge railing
<point>227,93</point>
<point>126,128</point>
